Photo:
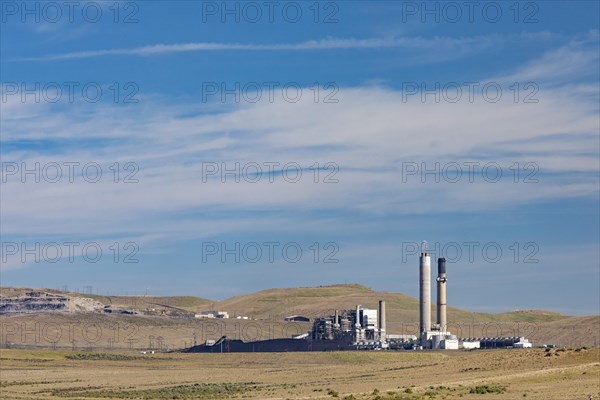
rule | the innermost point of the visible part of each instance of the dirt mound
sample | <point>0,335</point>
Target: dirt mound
<point>41,301</point>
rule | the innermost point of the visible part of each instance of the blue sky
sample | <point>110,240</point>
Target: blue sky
<point>390,72</point>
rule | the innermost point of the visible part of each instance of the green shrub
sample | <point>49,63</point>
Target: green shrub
<point>484,389</point>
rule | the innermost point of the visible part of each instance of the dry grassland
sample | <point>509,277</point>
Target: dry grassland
<point>500,374</point>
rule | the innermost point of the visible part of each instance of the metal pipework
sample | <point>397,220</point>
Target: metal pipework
<point>381,319</point>
<point>357,325</point>
<point>441,295</point>
<point>425,292</point>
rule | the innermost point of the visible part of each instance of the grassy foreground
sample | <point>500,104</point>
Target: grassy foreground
<point>500,374</point>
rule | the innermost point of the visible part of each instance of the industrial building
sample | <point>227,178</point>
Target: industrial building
<point>212,314</point>
<point>496,343</point>
<point>296,318</point>
<point>365,329</point>
<point>362,327</point>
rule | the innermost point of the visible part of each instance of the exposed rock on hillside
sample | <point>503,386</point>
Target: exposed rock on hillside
<point>40,301</point>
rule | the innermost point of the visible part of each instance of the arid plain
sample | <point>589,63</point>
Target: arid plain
<point>83,354</point>
<point>497,374</point>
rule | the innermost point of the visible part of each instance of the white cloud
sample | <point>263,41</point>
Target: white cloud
<point>445,47</point>
<point>369,133</point>
<point>575,60</point>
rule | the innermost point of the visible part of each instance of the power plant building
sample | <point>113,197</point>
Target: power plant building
<point>361,326</point>
<point>364,328</point>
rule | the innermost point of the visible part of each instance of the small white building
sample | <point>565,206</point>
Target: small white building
<point>468,345</point>
<point>212,314</point>
<point>523,344</point>
<point>400,338</point>
<point>449,344</point>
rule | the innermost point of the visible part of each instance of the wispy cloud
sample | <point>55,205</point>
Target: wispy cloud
<point>444,44</point>
<point>369,134</point>
<point>576,59</point>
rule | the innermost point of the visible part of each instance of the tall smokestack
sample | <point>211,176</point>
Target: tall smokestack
<point>357,324</point>
<point>425,292</point>
<point>381,319</point>
<point>441,295</point>
<point>336,320</point>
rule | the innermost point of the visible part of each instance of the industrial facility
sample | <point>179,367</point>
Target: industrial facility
<point>433,336</point>
<point>365,329</point>
<point>361,324</point>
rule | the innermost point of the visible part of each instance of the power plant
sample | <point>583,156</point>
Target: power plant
<point>365,329</point>
<point>433,336</point>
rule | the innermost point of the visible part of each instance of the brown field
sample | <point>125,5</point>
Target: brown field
<point>98,332</point>
<point>498,374</point>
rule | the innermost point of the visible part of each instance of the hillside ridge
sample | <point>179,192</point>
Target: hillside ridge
<point>313,300</point>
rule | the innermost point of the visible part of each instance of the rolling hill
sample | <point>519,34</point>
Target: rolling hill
<point>322,300</point>
<point>145,318</point>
